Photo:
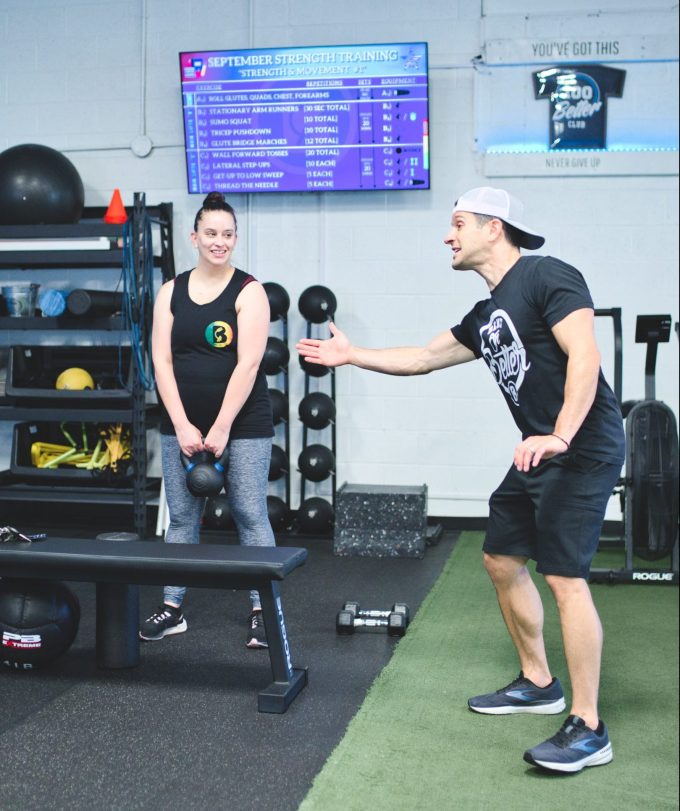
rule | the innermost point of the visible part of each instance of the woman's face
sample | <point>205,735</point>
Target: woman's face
<point>215,238</point>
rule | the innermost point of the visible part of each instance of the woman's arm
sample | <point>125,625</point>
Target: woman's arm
<point>252,313</point>
<point>188,436</point>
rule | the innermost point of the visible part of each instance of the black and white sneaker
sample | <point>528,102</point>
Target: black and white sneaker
<point>256,636</point>
<point>521,695</point>
<point>572,748</point>
<point>165,621</point>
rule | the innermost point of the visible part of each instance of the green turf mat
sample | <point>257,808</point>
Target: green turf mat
<point>414,744</point>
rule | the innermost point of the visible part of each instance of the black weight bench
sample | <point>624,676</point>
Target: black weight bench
<point>117,568</point>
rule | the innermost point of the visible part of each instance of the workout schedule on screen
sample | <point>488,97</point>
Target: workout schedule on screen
<point>306,119</point>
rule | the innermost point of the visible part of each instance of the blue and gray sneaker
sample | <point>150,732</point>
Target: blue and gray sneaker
<point>521,695</point>
<point>572,748</point>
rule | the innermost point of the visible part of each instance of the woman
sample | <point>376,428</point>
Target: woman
<point>210,331</point>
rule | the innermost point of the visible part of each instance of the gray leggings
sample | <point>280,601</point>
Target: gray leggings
<point>246,480</point>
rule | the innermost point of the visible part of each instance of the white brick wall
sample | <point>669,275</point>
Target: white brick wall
<point>71,80</point>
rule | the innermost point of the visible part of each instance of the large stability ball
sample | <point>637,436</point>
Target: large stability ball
<point>39,186</point>
<point>38,622</point>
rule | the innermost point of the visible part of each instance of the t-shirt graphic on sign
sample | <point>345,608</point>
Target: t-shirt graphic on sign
<point>504,353</point>
<point>578,103</point>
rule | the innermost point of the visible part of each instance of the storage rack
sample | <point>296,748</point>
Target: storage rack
<point>134,330</point>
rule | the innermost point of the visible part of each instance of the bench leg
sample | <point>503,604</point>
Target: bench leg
<point>288,680</point>
<point>117,625</point>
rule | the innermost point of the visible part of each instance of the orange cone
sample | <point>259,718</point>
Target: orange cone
<point>115,213</point>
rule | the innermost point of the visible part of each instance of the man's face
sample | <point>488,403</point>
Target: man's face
<point>468,240</point>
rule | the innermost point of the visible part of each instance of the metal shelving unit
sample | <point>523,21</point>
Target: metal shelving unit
<point>134,410</point>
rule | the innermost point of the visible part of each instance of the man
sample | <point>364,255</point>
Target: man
<point>535,332</point>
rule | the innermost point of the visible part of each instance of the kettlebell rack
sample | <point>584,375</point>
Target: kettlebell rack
<point>136,250</point>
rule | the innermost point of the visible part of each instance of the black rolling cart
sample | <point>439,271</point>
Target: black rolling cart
<point>317,412</point>
<point>119,322</point>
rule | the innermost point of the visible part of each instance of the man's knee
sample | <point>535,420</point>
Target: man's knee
<point>504,568</point>
<point>566,588</point>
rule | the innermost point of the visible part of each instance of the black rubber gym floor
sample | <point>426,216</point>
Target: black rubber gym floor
<point>183,728</point>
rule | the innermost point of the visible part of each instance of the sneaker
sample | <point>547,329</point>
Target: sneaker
<point>572,748</point>
<point>521,695</point>
<point>256,636</point>
<point>167,620</point>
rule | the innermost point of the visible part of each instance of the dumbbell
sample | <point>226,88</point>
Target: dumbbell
<point>205,473</point>
<point>352,616</point>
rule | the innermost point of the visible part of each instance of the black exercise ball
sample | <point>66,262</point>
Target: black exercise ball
<point>279,300</point>
<point>316,515</point>
<point>277,512</point>
<point>276,356</point>
<point>217,514</point>
<point>278,464</point>
<point>317,304</point>
<point>39,185</point>
<point>279,406</point>
<point>317,410</point>
<point>38,621</point>
<point>313,369</point>
<point>316,462</point>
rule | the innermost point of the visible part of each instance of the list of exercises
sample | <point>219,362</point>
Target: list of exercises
<point>306,119</point>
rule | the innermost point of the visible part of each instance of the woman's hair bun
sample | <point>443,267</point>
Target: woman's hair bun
<point>214,198</point>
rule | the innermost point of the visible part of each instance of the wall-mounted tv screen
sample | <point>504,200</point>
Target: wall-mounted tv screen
<point>323,118</point>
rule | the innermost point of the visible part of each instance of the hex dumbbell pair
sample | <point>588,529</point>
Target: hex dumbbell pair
<point>352,617</point>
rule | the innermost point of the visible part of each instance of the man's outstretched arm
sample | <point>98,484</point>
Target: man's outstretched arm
<point>441,352</point>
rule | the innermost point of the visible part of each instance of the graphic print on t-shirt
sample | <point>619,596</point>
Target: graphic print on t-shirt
<point>219,334</point>
<point>504,353</point>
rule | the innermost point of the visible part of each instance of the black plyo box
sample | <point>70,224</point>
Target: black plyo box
<point>380,521</point>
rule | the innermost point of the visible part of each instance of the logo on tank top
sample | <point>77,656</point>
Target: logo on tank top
<point>504,353</point>
<point>219,334</point>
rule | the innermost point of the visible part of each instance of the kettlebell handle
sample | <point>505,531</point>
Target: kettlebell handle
<point>189,463</point>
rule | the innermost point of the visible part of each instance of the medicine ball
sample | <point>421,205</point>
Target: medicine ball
<point>277,512</point>
<point>316,515</point>
<point>39,185</point>
<point>74,379</point>
<point>38,621</point>
<point>313,369</point>
<point>317,410</point>
<point>279,300</point>
<point>316,462</point>
<point>279,406</point>
<point>317,304</point>
<point>217,514</point>
<point>276,356</point>
<point>278,464</point>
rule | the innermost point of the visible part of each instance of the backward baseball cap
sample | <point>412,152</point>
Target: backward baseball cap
<point>500,203</point>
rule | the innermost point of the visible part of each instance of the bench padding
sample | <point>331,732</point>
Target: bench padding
<point>149,562</point>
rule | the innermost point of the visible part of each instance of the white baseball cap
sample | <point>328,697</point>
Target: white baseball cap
<point>501,204</point>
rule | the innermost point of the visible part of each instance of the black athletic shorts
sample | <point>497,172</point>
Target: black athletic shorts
<point>552,514</point>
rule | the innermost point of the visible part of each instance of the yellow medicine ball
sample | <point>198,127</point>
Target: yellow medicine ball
<point>74,379</point>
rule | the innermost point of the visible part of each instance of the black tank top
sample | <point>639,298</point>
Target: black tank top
<point>204,343</point>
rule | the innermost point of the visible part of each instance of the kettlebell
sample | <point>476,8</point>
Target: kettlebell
<point>205,473</point>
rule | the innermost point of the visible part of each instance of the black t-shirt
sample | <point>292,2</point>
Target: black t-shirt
<point>204,342</point>
<point>578,103</point>
<point>511,331</point>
